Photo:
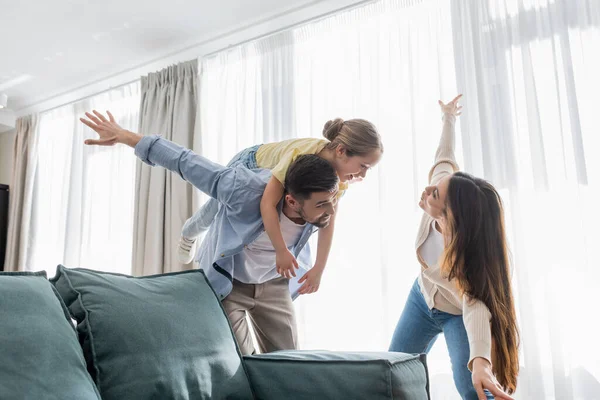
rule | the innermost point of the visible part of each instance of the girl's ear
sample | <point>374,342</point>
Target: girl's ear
<point>340,150</point>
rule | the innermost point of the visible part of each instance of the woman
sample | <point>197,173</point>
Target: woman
<point>464,288</point>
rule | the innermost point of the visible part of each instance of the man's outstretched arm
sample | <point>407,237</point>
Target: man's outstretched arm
<point>209,177</point>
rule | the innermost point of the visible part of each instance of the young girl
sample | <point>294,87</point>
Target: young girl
<point>352,147</point>
<point>464,288</point>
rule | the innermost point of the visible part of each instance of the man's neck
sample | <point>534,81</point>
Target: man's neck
<point>292,215</point>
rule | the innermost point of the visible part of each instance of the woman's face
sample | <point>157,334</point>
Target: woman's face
<point>433,198</point>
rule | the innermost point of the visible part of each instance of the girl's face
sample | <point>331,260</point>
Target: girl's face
<point>354,168</point>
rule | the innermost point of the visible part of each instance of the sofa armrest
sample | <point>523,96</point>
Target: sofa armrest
<point>311,375</point>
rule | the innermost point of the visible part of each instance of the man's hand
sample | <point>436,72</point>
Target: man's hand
<point>483,378</point>
<point>109,132</point>
<point>312,281</point>
<point>286,263</point>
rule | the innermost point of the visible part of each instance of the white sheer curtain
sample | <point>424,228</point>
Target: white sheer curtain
<point>83,196</point>
<point>246,98</point>
<point>528,71</point>
<point>388,62</point>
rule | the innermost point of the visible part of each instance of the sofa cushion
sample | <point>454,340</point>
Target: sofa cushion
<point>312,375</point>
<point>154,337</point>
<point>40,355</point>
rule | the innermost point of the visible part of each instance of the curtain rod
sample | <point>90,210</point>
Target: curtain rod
<point>88,96</point>
<point>289,27</point>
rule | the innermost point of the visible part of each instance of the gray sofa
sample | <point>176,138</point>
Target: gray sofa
<point>92,335</point>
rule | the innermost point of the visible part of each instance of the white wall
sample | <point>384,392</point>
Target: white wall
<point>7,142</point>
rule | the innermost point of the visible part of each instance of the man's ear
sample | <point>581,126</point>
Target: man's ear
<point>291,201</point>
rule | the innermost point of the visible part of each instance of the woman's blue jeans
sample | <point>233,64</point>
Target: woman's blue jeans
<point>419,327</point>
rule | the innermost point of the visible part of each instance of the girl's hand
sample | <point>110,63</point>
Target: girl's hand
<point>109,132</point>
<point>286,264</point>
<point>451,108</point>
<point>483,378</point>
<point>312,281</point>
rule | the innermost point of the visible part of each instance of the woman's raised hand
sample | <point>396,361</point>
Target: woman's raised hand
<point>452,108</point>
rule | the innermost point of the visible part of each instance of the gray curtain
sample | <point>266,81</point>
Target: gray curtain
<point>21,194</point>
<point>163,200</point>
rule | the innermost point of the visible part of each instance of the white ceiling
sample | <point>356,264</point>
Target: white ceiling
<point>52,47</point>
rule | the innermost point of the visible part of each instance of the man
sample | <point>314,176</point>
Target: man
<point>236,254</point>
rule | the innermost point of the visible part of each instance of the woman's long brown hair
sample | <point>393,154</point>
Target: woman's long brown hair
<point>476,255</point>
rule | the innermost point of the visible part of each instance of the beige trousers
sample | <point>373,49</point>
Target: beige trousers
<point>269,308</point>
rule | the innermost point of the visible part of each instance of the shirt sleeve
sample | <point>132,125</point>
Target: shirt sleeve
<point>342,187</point>
<point>215,180</point>
<point>476,317</point>
<point>280,170</point>
<point>445,159</point>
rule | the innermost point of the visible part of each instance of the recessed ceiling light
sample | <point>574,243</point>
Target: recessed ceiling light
<point>3,100</point>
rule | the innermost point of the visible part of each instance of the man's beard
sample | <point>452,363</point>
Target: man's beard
<point>322,222</point>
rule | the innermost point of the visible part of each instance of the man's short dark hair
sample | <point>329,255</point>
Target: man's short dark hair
<point>310,174</point>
